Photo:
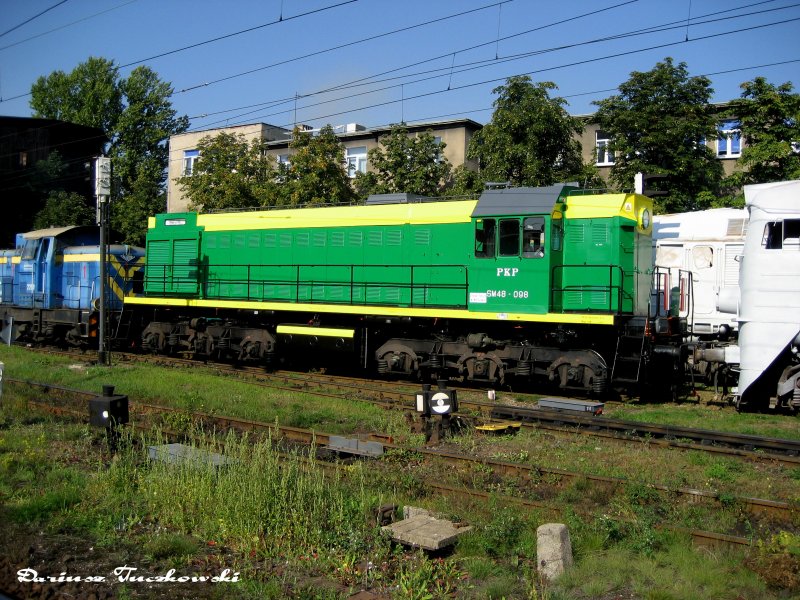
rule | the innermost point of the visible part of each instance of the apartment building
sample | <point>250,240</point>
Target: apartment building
<point>357,141</point>
<point>727,146</point>
<point>455,134</point>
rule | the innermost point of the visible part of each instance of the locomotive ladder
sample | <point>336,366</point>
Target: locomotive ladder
<point>123,325</point>
<point>628,359</point>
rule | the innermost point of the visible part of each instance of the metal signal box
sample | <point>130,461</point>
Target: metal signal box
<point>109,409</point>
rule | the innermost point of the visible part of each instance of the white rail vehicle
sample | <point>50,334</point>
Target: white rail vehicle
<point>709,245</point>
<point>769,304</point>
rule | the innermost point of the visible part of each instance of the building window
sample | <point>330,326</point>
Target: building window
<point>604,154</point>
<point>729,139</point>
<point>438,141</point>
<point>189,159</point>
<point>356,159</point>
<point>23,159</point>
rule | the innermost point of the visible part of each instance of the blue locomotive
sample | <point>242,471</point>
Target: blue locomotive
<point>50,285</point>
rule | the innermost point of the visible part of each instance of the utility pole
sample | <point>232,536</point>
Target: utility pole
<point>102,190</point>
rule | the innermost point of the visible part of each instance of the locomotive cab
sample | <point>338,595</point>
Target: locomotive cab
<point>51,284</point>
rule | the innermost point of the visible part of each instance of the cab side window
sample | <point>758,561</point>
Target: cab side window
<point>485,238</point>
<point>533,237</point>
<point>30,248</point>
<point>780,235</point>
<point>509,237</point>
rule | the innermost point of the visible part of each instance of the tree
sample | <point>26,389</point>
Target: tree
<point>406,163</point>
<point>316,174</point>
<point>136,115</point>
<point>60,208</point>
<point>769,118</point>
<point>658,124</point>
<point>230,173</point>
<point>464,182</point>
<point>531,137</point>
<point>63,209</point>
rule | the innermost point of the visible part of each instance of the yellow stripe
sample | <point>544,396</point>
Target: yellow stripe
<point>389,311</point>
<point>628,206</point>
<point>3,260</point>
<point>321,331</point>
<point>114,262</point>
<point>69,258</point>
<point>428,213</point>
<point>15,260</point>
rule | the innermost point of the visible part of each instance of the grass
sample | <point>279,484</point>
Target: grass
<point>296,530</point>
<point>199,389</point>
<point>705,417</point>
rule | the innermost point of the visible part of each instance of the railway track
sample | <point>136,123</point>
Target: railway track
<point>393,394</point>
<point>72,402</point>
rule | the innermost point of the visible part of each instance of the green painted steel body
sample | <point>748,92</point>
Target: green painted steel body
<point>556,260</point>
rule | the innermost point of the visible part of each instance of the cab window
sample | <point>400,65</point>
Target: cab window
<point>782,234</point>
<point>509,237</point>
<point>533,237</point>
<point>30,248</point>
<point>484,238</point>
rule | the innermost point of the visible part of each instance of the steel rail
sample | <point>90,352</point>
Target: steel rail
<point>782,511</point>
<point>679,437</point>
<point>699,536</point>
<point>744,446</point>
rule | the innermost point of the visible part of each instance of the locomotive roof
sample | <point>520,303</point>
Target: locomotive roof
<point>722,224</point>
<point>775,200</point>
<point>52,232</point>
<point>519,201</point>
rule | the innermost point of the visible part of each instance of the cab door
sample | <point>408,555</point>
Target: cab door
<point>511,266</point>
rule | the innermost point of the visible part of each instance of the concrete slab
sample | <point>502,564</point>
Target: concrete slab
<point>346,445</point>
<point>176,454</point>
<point>426,532</point>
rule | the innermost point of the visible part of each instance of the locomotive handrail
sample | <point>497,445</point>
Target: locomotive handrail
<point>610,289</point>
<point>304,285</point>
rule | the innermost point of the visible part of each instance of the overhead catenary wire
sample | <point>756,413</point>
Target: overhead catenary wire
<point>70,24</point>
<point>341,46</point>
<point>542,70</point>
<point>651,29</point>
<point>572,64</point>
<point>423,120</point>
<point>282,19</point>
<point>594,92</point>
<point>491,62</point>
<point>459,51</point>
<point>36,16</point>
<point>216,39</point>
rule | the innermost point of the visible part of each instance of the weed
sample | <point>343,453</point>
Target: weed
<point>499,588</point>
<point>170,545</point>
<point>500,535</point>
<point>421,578</point>
<point>721,471</point>
<point>180,422</point>
<point>480,568</point>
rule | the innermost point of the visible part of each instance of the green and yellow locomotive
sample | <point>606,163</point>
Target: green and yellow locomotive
<point>528,283</point>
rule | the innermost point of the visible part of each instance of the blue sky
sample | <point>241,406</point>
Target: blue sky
<point>411,60</point>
